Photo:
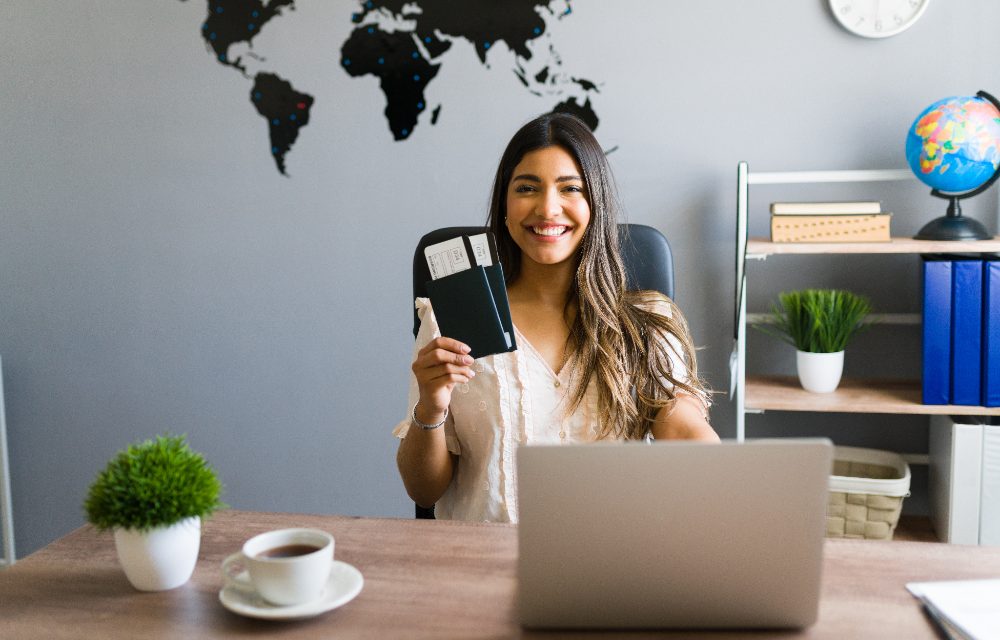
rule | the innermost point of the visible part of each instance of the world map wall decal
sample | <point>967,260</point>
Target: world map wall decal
<point>403,44</point>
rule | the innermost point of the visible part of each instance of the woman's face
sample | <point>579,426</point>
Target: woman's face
<point>547,206</point>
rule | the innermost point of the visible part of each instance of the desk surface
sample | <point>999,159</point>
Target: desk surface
<point>422,579</point>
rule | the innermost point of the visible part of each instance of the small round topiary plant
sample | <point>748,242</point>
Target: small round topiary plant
<point>154,483</point>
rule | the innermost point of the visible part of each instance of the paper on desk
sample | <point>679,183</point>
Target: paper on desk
<point>973,606</point>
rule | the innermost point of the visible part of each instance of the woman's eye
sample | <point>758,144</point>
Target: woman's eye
<point>523,188</point>
<point>574,188</point>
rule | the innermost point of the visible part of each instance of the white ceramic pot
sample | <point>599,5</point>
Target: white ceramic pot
<point>819,372</point>
<point>160,558</point>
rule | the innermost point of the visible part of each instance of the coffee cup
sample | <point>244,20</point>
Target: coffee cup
<point>285,567</point>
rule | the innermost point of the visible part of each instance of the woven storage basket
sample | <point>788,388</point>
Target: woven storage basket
<point>867,488</point>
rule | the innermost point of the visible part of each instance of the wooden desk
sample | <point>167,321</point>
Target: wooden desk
<point>422,579</point>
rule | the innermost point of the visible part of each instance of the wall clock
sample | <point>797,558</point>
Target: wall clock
<point>877,18</point>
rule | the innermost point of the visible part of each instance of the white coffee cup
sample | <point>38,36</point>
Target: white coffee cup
<point>285,567</point>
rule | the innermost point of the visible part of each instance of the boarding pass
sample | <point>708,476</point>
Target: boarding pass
<point>461,253</point>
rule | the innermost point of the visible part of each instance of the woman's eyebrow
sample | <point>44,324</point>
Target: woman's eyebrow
<point>534,178</point>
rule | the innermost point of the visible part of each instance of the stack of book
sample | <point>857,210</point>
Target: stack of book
<point>961,331</point>
<point>829,222</point>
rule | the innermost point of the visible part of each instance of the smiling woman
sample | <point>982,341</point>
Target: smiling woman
<point>595,361</point>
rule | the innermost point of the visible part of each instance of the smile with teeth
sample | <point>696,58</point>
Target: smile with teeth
<point>550,231</point>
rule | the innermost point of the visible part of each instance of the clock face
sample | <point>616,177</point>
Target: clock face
<point>877,18</point>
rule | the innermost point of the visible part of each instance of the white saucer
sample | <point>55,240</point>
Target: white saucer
<point>344,584</point>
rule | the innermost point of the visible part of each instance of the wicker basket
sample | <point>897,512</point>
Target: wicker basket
<point>867,488</point>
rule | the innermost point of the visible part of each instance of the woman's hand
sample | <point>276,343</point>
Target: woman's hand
<point>439,366</point>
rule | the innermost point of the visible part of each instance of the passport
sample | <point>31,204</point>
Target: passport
<point>469,294</point>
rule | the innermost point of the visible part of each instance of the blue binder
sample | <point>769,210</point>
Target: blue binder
<point>937,332</point>
<point>991,333</point>
<point>966,331</point>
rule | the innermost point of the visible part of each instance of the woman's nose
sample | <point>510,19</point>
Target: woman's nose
<point>549,206</point>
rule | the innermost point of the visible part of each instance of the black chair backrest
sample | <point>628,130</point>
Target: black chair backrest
<point>649,264</point>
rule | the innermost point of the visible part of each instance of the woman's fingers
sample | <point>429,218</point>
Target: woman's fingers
<point>439,366</point>
<point>429,371</point>
<point>442,351</point>
<point>449,379</point>
<point>446,344</point>
<point>441,356</point>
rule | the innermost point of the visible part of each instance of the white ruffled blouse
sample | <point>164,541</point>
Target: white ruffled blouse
<point>515,398</point>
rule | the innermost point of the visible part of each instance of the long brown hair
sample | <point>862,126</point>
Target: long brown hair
<point>626,341</point>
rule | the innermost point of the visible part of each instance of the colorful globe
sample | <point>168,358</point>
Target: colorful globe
<point>954,144</point>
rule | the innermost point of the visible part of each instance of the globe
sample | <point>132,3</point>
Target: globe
<point>954,144</point>
<point>954,147</point>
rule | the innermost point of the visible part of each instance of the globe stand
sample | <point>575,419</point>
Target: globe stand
<point>954,226</point>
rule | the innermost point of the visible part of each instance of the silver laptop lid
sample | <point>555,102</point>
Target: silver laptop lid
<point>672,535</point>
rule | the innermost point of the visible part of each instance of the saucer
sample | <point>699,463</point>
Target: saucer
<point>344,584</point>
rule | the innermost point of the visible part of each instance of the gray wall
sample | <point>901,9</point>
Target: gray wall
<point>157,274</point>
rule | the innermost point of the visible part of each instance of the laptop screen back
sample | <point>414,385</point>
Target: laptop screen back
<point>672,535</point>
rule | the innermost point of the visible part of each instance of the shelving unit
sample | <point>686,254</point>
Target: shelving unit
<point>756,394</point>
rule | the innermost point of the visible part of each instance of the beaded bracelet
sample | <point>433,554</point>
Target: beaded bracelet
<point>428,427</point>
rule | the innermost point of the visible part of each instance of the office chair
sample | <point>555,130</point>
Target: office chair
<point>649,264</point>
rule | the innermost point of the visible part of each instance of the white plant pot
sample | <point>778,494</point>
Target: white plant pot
<point>819,372</point>
<point>160,558</point>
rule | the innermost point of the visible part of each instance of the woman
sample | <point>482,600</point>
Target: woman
<point>594,361</point>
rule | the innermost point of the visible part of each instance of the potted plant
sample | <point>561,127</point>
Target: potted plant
<point>154,495</point>
<point>818,323</point>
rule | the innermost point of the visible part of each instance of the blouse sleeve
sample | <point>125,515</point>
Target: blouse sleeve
<point>427,332</point>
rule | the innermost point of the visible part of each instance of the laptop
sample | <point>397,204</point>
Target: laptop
<point>672,535</point>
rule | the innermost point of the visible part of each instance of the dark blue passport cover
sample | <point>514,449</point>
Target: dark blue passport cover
<point>937,332</point>
<point>471,306</point>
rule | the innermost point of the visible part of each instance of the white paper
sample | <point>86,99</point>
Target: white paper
<point>446,258</point>
<point>481,250</point>
<point>972,606</point>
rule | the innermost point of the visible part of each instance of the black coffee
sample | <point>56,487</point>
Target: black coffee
<point>288,551</point>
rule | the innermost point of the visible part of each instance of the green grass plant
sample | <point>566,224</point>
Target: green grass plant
<point>153,483</point>
<point>817,320</point>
